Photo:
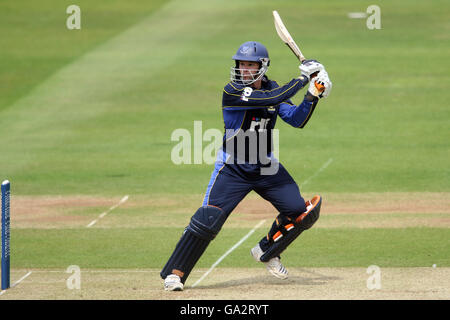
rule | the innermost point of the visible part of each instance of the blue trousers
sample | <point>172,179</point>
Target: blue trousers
<point>230,183</point>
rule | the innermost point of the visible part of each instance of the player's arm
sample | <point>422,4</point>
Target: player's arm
<point>298,116</point>
<point>239,97</point>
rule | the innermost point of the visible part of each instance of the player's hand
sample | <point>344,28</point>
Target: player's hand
<point>320,86</point>
<point>309,68</point>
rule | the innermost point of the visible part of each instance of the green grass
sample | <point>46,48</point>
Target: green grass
<point>35,42</point>
<point>151,247</point>
<point>91,111</point>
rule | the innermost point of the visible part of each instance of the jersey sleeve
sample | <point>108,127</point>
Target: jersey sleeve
<point>240,97</point>
<point>298,116</point>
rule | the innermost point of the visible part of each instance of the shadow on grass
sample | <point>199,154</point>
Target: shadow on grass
<point>313,278</point>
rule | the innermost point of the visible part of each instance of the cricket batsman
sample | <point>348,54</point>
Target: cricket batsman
<point>251,104</point>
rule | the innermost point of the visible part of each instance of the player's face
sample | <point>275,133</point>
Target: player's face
<point>248,69</point>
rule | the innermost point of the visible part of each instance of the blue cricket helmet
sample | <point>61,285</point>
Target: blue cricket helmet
<point>250,51</point>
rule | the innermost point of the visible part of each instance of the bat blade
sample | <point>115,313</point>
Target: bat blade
<point>284,35</point>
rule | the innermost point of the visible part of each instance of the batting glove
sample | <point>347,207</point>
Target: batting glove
<point>309,67</point>
<point>321,85</point>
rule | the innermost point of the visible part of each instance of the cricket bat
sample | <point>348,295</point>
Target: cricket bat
<point>284,34</point>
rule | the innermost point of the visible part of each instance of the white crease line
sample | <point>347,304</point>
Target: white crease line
<point>325,165</point>
<point>17,282</point>
<point>21,279</point>
<point>107,271</point>
<point>100,271</point>
<point>124,199</point>
<point>228,252</point>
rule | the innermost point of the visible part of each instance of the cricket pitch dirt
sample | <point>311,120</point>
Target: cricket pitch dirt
<point>236,284</point>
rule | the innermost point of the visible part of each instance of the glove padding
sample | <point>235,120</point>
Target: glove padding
<point>309,67</point>
<point>323,80</point>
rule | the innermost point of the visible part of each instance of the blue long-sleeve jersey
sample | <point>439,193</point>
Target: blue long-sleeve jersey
<point>250,115</point>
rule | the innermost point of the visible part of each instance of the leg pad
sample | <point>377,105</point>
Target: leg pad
<point>204,226</point>
<point>289,229</point>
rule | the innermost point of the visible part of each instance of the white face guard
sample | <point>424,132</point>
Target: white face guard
<point>236,73</point>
